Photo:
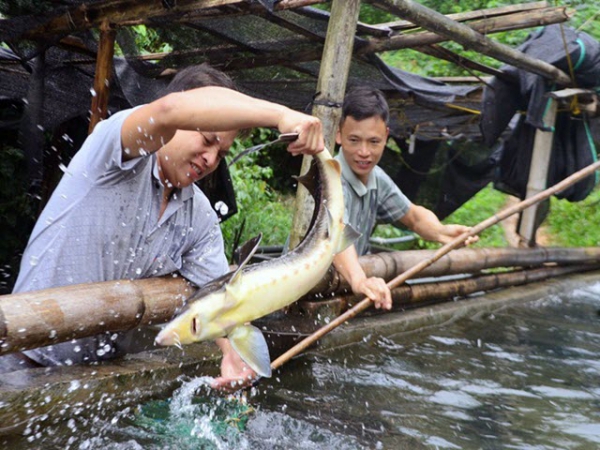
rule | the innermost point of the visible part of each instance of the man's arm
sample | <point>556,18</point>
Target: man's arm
<point>346,263</point>
<point>426,224</point>
<point>214,108</point>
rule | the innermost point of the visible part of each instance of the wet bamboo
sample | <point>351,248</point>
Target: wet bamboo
<point>387,265</point>
<point>331,87</point>
<point>38,318</point>
<point>104,67</point>
<point>469,38</point>
<point>455,243</point>
<point>407,295</point>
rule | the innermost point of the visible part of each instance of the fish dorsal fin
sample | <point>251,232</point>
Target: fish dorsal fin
<point>250,345</point>
<point>349,236</point>
<point>247,251</point>
<point>309,179</point>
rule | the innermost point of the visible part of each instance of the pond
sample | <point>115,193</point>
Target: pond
<point>523,377</point>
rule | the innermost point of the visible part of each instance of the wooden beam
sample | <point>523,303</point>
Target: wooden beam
<point>404,25</point>
<point>129,12</point>
<point>331,88</point>
<point>538,174</point>
<point>469,38</point>
<point>104,67</point>
<point>486,26</point>
<point>225,56</point>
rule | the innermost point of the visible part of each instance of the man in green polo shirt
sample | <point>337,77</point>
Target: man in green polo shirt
<point>370,195</point>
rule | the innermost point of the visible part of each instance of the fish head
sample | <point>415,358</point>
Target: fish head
<point>194,324</point>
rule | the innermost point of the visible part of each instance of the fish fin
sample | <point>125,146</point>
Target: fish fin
<point>247,251</point>
<point>250,344</point>
<point>349,236</point>
<point>309,179</point>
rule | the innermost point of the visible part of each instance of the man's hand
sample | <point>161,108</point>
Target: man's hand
<point>235,373</point>
<point>450,232</point>
<point>376,289</point>
<point>310,132</point>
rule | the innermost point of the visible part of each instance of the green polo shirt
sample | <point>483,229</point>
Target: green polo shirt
<point>380,201</point>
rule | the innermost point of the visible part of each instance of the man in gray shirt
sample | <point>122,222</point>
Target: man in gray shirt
<point>370,195</point>
<point>127,206</point>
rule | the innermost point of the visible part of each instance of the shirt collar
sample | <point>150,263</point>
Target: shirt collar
<point>186,193</point>
<point>353,180</point>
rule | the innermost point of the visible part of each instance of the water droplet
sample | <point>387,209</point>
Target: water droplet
<point>93,92</point>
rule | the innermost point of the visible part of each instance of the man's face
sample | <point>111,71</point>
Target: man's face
<point>363,142</point>
<point>191,155</point>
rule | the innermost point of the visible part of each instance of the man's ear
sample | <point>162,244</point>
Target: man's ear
<point>338,137</point>
<point>387,133</point>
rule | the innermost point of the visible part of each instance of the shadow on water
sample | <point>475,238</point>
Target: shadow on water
<point>524,377</point>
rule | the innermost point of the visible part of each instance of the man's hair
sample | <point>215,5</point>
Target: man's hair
<point>363,102</point>
<point>202,75</point>
<point>198,76</point>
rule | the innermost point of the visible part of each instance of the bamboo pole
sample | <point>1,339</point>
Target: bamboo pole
<point>388,265</point>
<point>49,316</point>
<point>440,24</point>
<point>455,243</point>
<point>331,87</point>
<point>415,294</point>
<point>104,66</point>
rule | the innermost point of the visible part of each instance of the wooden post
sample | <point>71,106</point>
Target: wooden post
<point>31,133</point>
<point>466,36</point>
<point>538,174</point>
<point>104,66</point>
<point>331,88</point>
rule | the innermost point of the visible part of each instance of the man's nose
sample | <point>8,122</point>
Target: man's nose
<point>211,160</point>
<point>363,148</point>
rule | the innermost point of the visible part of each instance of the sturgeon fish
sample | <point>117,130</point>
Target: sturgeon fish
<point>225,306</point>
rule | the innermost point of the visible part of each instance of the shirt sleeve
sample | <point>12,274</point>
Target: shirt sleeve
<point>392,204</point>
<point>100,158</point>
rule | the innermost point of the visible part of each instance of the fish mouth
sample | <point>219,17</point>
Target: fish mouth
<point>166,338</point>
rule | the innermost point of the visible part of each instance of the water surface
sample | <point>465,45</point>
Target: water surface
<point>525,377</point>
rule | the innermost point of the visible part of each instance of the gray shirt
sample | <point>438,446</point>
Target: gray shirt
<point>380,201</point>
<point>102,224</point>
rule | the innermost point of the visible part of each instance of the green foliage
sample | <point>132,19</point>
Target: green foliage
<point>149,41</point>
<point>483,205</point>
<point>260,208</point>
<point>574,224</point>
